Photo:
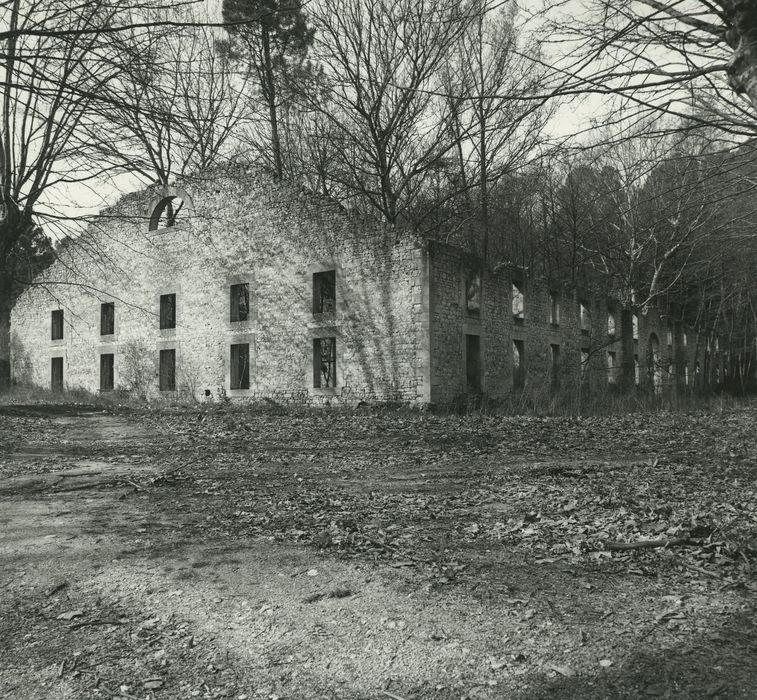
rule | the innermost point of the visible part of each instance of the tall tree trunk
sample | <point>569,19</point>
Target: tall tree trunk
<point>270,90</point>
<point>742,38</point>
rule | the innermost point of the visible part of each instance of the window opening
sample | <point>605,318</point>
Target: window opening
<point>585,318</point>
<point>518,303</point>
<point>473,363</point>
<point>324,292</point>
<point>240,366</point>
<point>555,365</point>
<point>473,293</point>
<point>56,323</point>
<point>636,370</point>
<point>611,324</point>
<point>584,360</point>
<point>239,302</point>
<point>167,372</point>
<point>611,367</point>
<point>56,373</point>
<point>324,362</point>
<point>167,311</point>
<point>166,213</point>
<point>686,373</point>
<point>106,371</point>
<point>519,376</point>
<point>635,322</point>
<point>107,318</point>
<point>670,337</point>
<point>554,309</point>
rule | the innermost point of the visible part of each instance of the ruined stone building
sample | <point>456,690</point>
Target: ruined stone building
<point>232,284</point>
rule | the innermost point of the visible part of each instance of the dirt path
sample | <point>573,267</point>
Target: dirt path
<point>228,555</point>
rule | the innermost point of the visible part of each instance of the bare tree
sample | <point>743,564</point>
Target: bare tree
<point>272,38</point>
<point>380,68</point>
<point>176,105</point>
<point>490,80</point>
<point>55,67</point>
<point>695,60</point>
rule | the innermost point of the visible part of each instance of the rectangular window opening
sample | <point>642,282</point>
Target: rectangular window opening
<point>107,318</point>
<point>167,311</point>
<point>239,300</point>
<point>240,366</point>
<point>473,293</point>
<point>519,374</point>
<point>167,370</point>
<point>324,362</point>
<point>611,324</point>
<point>106,371</point>
<point>56,373</point>
<point>555,365</point>
<point>56,323</point>
<point>554,309</point>
<point>585,317</point>
<point>611,364</point>
<point>584,360</point>
<point>518,303</point>
<point>324,292</point>
<point>473,363</point>
<point>636,370</point>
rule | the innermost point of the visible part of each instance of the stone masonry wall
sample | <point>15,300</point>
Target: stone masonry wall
<point>238,227</point>
<point>591,353</point>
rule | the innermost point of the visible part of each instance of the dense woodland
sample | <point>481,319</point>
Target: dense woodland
<point>607,148</point>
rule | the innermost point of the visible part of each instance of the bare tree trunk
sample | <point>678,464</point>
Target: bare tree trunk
<point>742,38</point>
<point>270,90</point>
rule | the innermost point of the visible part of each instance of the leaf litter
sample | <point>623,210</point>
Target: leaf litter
<point>463,503</point>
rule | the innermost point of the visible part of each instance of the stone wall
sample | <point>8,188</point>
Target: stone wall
<point>413,321</point>
<point>556,344</point>
<point>235,227</point>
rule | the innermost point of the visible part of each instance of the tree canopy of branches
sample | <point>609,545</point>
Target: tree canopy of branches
<point>273,38</point>
<point>694,59</point>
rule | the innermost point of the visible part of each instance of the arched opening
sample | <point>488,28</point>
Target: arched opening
<point>166,213</point>
<point>654,363</point>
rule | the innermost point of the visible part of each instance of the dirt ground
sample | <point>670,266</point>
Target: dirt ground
<point>219,552</point>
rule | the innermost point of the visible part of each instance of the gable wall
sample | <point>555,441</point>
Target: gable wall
<point>244,228</point>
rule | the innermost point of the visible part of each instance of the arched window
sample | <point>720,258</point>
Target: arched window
<point>166,213</point>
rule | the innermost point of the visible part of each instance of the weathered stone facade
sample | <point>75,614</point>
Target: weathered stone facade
<point>403,319</point>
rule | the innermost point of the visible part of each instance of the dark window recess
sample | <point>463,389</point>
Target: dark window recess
<point>167,311</point>
<point>167,373</point>
<point>324,292</point>
<point>240,302</point>
<point>240,366</point>
<point>519,369</point>
<point>473,363</point>
<point>56,373</point>
<point>324,362</point>
<point>555,366</point>
<point>56,323</point>
<point>106,372</point>
<point>473,294</point>
<point>107,319</point>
